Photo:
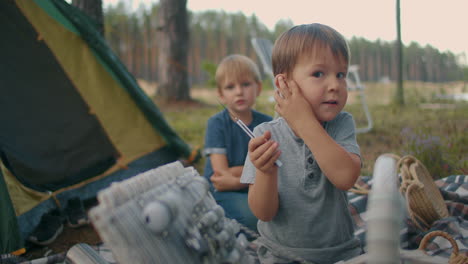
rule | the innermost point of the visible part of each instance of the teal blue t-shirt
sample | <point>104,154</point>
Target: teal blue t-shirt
<point>224,136</point>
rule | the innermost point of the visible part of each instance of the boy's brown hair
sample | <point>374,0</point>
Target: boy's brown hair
<point>236,66</point>
<point>307,38</point>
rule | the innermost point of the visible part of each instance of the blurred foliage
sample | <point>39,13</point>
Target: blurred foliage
<point>210,69</point>
<point>439,154</point>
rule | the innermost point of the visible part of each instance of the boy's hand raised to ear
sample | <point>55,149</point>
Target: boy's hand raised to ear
<point>291,104</point>
<point>263,153</point>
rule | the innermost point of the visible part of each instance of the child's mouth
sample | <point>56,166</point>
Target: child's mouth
<point>331,102</point>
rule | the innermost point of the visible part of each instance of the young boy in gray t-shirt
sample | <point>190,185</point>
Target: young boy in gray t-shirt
<point>302,206</point>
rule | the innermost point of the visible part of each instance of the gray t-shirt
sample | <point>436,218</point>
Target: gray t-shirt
<point>313,221</point>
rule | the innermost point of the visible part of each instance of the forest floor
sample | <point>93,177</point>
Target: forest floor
<point>444,119</point>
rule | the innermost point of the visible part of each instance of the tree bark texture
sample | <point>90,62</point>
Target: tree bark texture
<point>173,40</point>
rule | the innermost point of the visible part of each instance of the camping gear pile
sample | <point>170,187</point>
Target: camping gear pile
<point>167,215</point>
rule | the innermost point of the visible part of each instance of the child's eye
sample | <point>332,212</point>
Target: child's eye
<point>245,84</point>
<point>317,74</point>
<point>229,87</point>
<point>341,75</point>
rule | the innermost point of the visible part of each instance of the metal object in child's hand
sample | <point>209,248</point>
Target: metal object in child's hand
<point>246,129</point>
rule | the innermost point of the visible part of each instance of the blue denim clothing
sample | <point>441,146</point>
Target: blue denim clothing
<point>236,206</point>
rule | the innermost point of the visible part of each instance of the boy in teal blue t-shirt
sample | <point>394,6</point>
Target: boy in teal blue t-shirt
<point>238,85</point>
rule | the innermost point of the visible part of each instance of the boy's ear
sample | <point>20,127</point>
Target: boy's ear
<point>220,95</point>
<point>276,79</point>
<point>259,88</point>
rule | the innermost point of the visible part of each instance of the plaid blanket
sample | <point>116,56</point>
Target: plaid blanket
<point>79,253</point>
<point>454,189</point>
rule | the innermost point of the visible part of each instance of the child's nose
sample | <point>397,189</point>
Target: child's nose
<point>334,84</point>
<point>239,89</point>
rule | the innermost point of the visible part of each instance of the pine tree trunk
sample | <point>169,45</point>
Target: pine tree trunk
<point>399,93</point>
<point>173,40</point>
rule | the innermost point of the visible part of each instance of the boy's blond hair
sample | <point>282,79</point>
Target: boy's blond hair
<point>307,38</point>
<point>236,66</point>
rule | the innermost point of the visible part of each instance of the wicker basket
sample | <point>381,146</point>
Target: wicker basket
<point>455,257</point>
<point>425,203</point>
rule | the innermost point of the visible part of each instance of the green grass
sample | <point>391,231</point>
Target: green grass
<point>437,136</point>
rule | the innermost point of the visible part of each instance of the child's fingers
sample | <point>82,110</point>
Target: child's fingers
<point>273,159</point>
<point>283,89</point>
<point>267,135</point>
<point>293,87</point>
<point>278,97</point>
<point>255,154</point>
<point>261,151</point>
<point>263,156</point>
<point>257,141</point>
<point>254,143</point>
<point>214,181</point>
<point>279,102</point>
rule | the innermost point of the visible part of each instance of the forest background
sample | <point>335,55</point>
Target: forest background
<point>433,135</point>
<point>213,34</point>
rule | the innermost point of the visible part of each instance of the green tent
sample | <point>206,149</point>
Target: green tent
<point>73,118</point>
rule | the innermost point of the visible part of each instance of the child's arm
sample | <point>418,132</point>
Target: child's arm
<point>225,178</point>
<point>263,194</point>
<point>341,167</point>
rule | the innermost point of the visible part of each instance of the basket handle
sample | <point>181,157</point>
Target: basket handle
<point>443,234</point>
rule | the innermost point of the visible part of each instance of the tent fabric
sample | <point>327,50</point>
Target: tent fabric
<point>73,118</point>
<point>65,125</point>
<point>28,220</point>
<point>111,103</point>
<point>150,110</point>
<point>10,239</point>
<point>23,198</point>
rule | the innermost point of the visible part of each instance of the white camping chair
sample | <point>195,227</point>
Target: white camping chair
<point>354,84</point>
<point>263,48</point>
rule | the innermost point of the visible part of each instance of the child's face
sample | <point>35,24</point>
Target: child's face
<point>239,94</point>
<point>322,80</point>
